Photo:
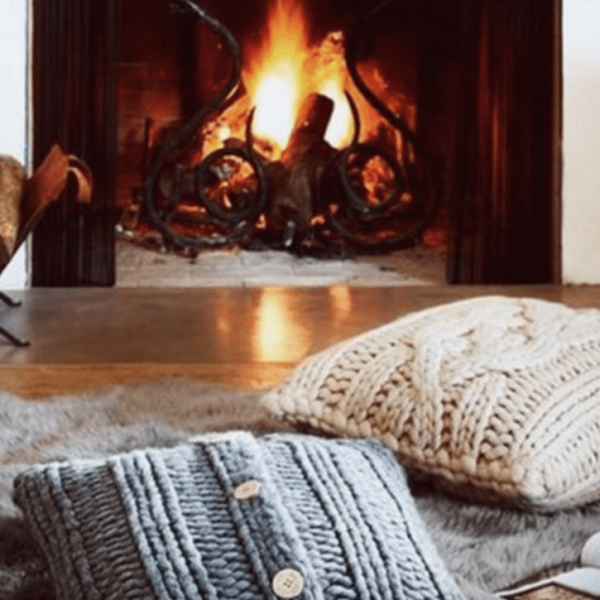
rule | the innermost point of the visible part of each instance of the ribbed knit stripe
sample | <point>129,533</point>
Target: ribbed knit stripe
<point>405,526</point>
<point>269,534</point>
<point>83,531</point>
<point>203,502</point>
<point>108,542</point>
<point>170,558</point>
<point>317,529</point>
<point>340,511</point>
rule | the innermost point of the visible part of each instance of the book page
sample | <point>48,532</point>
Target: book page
<point>590,555</point>
<point>585,579</point>
<point>551,592</point>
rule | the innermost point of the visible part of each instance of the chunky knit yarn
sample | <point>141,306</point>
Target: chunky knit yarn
<point>234,516</point>
<point>494,396</point>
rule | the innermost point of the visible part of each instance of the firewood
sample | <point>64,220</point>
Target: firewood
<point>295,180</point>
<point>310,127</point>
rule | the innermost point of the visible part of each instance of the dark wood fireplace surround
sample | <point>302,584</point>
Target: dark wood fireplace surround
<point>502,173</point>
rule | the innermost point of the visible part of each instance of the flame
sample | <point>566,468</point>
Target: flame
<point>274,76</point>
<point>339,132</point>
<point>277,103</point>
<point>282,72</point>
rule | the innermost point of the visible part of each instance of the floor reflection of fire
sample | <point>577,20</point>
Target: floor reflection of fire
<point>304,148</point>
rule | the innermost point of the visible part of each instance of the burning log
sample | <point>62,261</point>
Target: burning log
<point>310,127</point>
<point>296,179</point>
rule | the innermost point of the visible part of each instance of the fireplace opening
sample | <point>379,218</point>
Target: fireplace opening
<point>323,129</point>
<point>302,134</point>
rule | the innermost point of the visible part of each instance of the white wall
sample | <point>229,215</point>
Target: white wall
<point>13,109</point>
<point>581,187</point>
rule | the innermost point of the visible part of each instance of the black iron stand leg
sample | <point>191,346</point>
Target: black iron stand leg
<point>8,300</point>
<point>13,339</point>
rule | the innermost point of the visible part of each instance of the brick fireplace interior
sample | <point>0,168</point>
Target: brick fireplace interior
<point>472,87</point>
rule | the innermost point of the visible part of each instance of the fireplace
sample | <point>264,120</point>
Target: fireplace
<point>467,144</point>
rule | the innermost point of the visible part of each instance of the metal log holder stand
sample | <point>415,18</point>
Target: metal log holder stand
<point>313,200</point>
<point>23,201</point>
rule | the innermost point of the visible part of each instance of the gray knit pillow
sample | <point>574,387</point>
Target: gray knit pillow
<point>493,396</point>
<point>233,516</point>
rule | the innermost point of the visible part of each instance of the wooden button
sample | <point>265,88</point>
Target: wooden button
<point>247,489</point>
<point>288,583</point>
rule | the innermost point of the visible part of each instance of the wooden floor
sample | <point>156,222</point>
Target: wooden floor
<point>248,337</point>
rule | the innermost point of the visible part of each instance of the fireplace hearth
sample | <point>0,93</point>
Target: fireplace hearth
<point>451,132</point>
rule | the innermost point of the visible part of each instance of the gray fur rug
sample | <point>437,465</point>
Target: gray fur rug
<point>486,548</point>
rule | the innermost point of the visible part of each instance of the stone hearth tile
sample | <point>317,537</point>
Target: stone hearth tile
<point>217,258</point>
<point>216,282</point>
<point>127,256</point>
<point>142,267</point>
<point>420,263</point>
<point>385,281</point>
<point>241,265</point>
<point>126,278</point>
<point>217,268</point>
<point>293,281</point>
<point>267,257</point>
<point>176,279</point>
<point>310,267</point>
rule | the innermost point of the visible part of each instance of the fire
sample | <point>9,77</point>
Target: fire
<point>277,101</point>
<point>282,71</point>
<point>339,133</point>
<point>273,77</point>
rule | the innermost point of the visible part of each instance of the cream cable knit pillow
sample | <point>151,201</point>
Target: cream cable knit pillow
<point>493,396</point>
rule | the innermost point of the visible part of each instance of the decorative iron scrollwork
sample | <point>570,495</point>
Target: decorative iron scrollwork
<point>410,205</point>
<point>221,200</point>
<point>178,201</point>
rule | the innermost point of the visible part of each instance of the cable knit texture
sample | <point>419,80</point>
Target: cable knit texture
<point>496,397</point>
<point>234,516</point>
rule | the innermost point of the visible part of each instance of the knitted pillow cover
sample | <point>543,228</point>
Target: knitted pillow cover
<point>233,516</point>
<point>492,397</point>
